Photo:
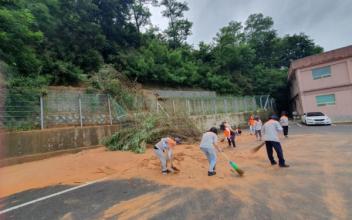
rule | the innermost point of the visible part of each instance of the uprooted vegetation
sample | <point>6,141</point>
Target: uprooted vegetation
<point>148,129</point>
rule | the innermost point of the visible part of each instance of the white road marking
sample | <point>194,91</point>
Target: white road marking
<point>50,196</point>
<point>299,125</point>
<point>333,125</point>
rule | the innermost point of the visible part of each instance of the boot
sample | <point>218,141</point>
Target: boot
<point>211,173</point>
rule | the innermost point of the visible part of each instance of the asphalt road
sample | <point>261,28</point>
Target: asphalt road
<point>298,128</point>
<point>92,202</point>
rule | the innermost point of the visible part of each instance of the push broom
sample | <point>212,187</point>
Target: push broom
<point>257,148</point>
<point>232,164</point>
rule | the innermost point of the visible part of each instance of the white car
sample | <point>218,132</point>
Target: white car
<point>315,118</point>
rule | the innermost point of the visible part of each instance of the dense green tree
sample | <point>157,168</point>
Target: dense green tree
<point>140,14</point>
<point>19,39</point>
<point>294,47</point>
<point>66,41</point>
<point>179,27</point>
<point>262,37</point>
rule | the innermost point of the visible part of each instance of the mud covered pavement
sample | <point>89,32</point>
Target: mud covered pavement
<point>316,186</point>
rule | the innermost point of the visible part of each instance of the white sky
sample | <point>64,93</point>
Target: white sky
<point>327,22</point>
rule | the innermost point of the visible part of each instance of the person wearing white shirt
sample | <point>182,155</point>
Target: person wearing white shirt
<point>284,123</point>
<point>270,134</point>
<point>208,145</point>
<point>258,128</point>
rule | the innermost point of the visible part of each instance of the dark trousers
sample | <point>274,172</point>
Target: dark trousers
<point>269,149</point>
<point>231,140</point>
<point>285,130</point>
<point>258,134</point>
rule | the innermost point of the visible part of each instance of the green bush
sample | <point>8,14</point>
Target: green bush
<point>149,129</point>
<point>133,139</point>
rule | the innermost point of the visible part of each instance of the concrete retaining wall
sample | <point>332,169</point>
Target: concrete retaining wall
<point>16,144</point>
<point>17,147</point>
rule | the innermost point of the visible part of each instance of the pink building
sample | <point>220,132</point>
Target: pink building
<point>323,83</point>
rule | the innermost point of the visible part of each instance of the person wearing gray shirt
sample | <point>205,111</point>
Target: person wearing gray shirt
<point>207,144</point>
<point>270,131</point>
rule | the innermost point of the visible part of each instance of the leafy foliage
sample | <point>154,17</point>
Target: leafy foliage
<point>66,42</point>
<point>133,139</point>
<point>179,27</point>
<point>109,81</point>
<point>150,129</point>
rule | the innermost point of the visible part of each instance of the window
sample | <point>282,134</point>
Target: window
<point>325,100</point>
<point>323,72</point>
<point>311,114</point>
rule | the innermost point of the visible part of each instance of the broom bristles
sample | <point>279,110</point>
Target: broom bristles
<point>175,168</point>
<point>257,148</point>
<point>240,172</point>
<point>236,168</point>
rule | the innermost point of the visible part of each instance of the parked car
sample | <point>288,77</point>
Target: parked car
<point>316,118</point>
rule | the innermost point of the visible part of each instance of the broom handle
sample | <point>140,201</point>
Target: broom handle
<point>224,155</point>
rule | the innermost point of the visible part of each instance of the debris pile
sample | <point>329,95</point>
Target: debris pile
<point>148,129</point>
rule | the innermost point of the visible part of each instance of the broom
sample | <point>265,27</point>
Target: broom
<point>254,150</point>
<point>175,169</point>
<point>233,164</point>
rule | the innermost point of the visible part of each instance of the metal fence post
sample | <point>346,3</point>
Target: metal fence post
<point>80,111</point>
<point>225,105</point>
<point>236,105</point>
<point>109,109</point>
<point>214,104</point>
<point>266,103</point>
<point>189,107</point>
<point>202,104</point>
<point>271,104</point>
<point>157,106</point>
<point>233,105</point>
<point>41,112</point>
<point>245,104</point>
<point>173,106</point>
<point>254,102</point>
<point>261,102</point>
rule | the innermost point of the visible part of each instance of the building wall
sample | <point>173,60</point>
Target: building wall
<point>340,112</point>
<point>339,76</point>
<point>339,84</point>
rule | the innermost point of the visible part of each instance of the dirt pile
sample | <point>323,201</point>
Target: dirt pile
<point>97,163</point>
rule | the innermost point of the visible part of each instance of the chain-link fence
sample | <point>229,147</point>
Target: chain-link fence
<point>24,110</point>
<point>214,105</point>
<point>81,109</point>
<point>20,110</point>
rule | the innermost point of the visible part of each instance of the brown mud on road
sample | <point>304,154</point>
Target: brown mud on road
<point>319,176</point>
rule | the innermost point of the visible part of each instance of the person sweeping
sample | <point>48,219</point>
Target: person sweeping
<point>251,122</point>
<point>258,128</point>
<point>208,145</point>
<point>164,151</point>
<point>284,123</point>
<point>229,134</point>
<point>270,134</point>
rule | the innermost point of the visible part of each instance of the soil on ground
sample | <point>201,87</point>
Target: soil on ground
<point>311,157</point>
